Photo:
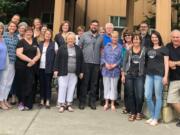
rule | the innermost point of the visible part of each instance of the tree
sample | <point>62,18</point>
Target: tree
<point>10,7</point>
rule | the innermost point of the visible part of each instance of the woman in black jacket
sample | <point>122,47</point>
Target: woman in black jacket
<point>48,51</point>
<point>68,65</point>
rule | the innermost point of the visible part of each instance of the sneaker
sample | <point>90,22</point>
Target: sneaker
<point>154,123</point>
<point>149,121</point>
<point>21,107</point>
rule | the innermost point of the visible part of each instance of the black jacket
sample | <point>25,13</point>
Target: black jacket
<point>50,56</point>
<point>61,61</point>
<point>59,39</point>
<point>146,41</point>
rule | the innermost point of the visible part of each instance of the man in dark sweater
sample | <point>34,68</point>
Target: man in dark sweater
<point>146,38</point>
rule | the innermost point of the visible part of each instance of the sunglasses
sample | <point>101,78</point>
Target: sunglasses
<point>127,35</point>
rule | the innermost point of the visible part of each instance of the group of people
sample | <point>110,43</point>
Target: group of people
<point>88,61</point>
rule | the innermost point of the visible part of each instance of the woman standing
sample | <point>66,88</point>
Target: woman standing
<point>127,45</point>
<point>27,55</point>
<point>3,59</point>
<point>7,77</point>
<point>21,29</point>
<point>65,27</point>
<point>37,24</point>
<point>111,60</point>
<point>48,50</point>
<point>68,66</point>
<point>133,77</point>
<point>40,38</point>
<point>156,76</point>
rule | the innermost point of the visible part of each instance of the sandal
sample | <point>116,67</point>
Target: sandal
<point>113,108</point>
<point>70,109</point>
<point>138,116</point>
<point>106,107</point>
<point>61,109</point>
<point>132,117</point>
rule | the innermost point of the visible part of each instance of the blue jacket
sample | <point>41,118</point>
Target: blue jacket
<point>50,56</point>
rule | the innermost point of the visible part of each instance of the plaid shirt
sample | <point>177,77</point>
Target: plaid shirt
<point>11,43</point>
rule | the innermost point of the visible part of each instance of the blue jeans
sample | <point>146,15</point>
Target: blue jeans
<point>154,82</point>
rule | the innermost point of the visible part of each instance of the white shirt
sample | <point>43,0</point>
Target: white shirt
<point>43,56</point>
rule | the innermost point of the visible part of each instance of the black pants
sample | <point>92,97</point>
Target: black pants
<point>45,84</point>
<point>134,86</point>
<point>101,87</point>
<point>24,84</point>
<point>90,80</point>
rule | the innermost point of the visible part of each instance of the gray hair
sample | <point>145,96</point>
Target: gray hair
<point>174,31</point>
<point>109,25</point>
<point>23,24</point>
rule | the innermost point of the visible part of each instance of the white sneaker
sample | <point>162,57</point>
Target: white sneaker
<point>21,107</point>
<point>149,121</point>
<point>154,123</point>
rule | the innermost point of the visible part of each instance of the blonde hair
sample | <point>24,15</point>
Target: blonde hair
<point>115,33</point>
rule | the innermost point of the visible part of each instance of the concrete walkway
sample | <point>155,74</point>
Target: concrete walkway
<point>86,122</point>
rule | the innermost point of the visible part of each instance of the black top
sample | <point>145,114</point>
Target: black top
<point>174,55</point>
<point>61,61</point>
<point>135,60</point>
<point>146,41</point>
<point>59,39</point>
<point>155,61</point>
<point>29,50</point>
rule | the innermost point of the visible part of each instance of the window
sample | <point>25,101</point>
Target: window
<point>118,22</point>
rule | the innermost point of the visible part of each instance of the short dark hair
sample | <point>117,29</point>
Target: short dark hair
<point>94,21</point>
<point>158,36</point>
<point>137,34</point>
<point>144,22</point>
<point>29,29</point>
<point>16,15</point>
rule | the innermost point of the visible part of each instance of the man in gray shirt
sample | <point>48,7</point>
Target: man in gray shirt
<point>90,43</point>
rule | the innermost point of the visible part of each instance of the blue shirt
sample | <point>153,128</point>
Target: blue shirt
<point>11,43</point>
<point>107,39</point>
<point>111,56</point>
<point>3,54</point>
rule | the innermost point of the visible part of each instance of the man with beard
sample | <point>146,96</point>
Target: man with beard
<point>90,44</point>
<point>146,39</point>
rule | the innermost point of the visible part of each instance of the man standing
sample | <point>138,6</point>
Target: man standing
<point>90,43</point>
<point>174,64</point>
<point>146,39</point>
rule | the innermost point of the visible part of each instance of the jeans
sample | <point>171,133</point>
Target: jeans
<point>154,82</point>
<point>134,86</point>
